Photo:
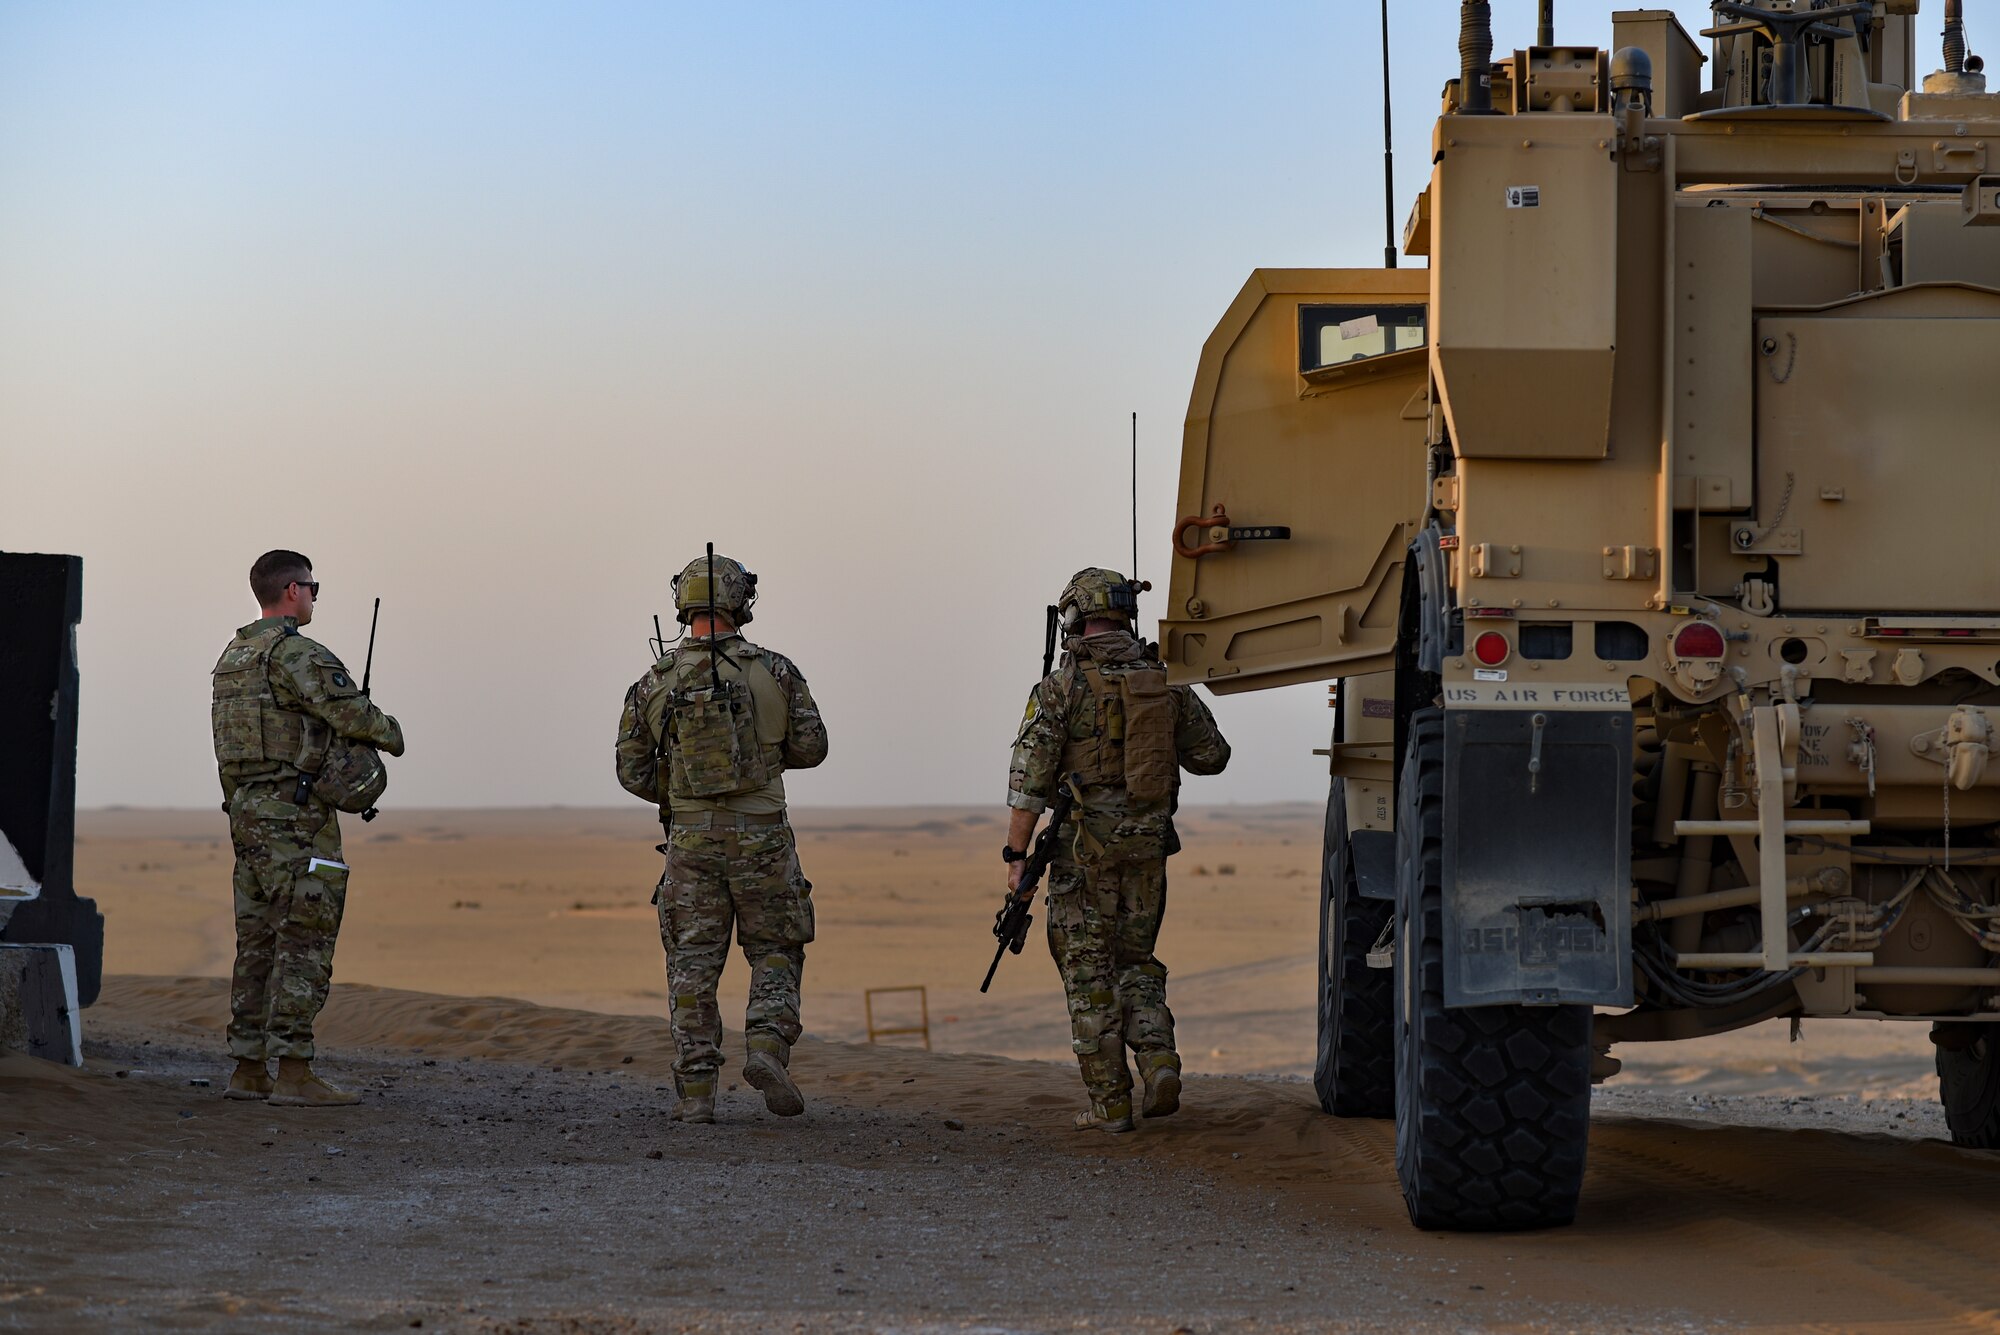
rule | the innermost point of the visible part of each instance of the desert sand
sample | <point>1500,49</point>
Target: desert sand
<point>511,1168</point>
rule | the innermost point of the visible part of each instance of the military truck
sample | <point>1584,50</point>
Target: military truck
<point>1641,531</point>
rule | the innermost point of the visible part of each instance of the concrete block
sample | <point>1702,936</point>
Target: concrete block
<point>38,1003</point>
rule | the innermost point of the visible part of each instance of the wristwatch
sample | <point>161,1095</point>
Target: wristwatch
<point>1009,853</point>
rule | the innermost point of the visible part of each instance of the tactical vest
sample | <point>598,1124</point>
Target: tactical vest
<point>721,742</point>
<point>1128,737</point>
<point>256,737</point>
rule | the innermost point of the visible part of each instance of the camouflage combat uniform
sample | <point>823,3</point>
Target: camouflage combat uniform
<point>279,699</point>
<point>1107,894</point>
<point>731,857</point>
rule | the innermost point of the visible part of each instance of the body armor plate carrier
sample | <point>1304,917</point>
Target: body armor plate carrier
<point>255,737</point>
<point>714,735</point>
<point>1131,741</point>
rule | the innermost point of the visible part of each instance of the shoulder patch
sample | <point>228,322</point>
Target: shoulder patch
<point>340,680</point>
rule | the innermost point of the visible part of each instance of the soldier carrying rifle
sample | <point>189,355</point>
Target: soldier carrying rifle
<point>1107,724</point>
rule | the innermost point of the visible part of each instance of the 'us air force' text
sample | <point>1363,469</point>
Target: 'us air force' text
<point>1548,697</point>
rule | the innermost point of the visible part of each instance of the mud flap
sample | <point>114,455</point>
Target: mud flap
<point>1537,857</point>
<point>1374,856</point>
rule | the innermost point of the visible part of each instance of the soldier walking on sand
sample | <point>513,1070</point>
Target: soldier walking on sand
<point>1108,717</point>
<point>292,733</point>
<point>708,734</point>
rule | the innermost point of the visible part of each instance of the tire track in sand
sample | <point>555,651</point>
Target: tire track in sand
<point>1840,1205</point>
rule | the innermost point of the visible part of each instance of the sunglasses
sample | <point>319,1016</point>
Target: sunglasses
<point>311,584</point>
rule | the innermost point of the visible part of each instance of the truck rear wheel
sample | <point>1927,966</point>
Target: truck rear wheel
<point>1968,1067</point>
<point>1355,1075</point>
<point>1492,1102</point>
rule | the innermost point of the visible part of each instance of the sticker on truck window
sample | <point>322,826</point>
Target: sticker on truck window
<point>1524,196</point>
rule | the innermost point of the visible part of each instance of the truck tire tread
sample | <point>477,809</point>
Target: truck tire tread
<point>1969,1088</point>
<point>1493,1102</point>
<point>1355,1073</point>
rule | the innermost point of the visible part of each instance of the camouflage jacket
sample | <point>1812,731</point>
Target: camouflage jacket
<point>1063,715</point>
<point>279,698</point>
<point>641,771</point>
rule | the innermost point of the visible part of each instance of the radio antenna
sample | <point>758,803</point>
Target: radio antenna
<point>368,668</point>
<point>715,677</point>
<point>1135,499</point>
<point>1388,155</point>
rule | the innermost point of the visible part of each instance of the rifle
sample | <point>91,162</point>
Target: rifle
<point>1010,925</point>
<point>368,671</point>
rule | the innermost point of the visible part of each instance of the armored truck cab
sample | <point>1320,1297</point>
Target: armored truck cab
<point>1642,533</point>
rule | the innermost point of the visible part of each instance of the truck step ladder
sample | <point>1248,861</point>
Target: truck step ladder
<point>1770,829</point>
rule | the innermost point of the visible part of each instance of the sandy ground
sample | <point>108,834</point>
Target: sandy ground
<point>512,1168</point>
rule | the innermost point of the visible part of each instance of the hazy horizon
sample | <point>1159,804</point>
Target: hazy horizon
<point>500,311</point>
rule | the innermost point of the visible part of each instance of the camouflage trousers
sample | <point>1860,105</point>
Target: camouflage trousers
<point>291,885</point>
<point>1104,920</point>
<point>748,879</point>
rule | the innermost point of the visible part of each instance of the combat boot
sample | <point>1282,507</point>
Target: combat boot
<point>298,1087</point>
<point>251,1080</point>
<point>696,1103</point>
<point>1161,1072</point>
<point>1114,1117</point>
<point>765,1070</point>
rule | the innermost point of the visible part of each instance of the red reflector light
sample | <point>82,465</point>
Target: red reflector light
<point>1698,639</point>
<point>1491,648</point>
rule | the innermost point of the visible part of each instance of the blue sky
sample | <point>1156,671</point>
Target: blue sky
<point>500,310</point>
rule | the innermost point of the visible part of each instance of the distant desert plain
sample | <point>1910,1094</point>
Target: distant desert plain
<point>551,905</point>
<point>499,999</point>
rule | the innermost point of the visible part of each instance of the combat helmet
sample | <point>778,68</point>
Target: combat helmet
<point>735,590</point>
<point>1097,592</point>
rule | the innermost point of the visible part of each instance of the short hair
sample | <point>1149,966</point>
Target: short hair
<point>273,571</point>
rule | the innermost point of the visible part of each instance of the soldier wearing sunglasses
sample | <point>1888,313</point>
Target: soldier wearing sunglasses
<point>280,700</point>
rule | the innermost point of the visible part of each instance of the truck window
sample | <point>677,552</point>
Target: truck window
<point>1331,335</point>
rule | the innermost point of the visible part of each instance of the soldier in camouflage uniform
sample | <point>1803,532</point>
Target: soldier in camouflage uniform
<point>281,702</point>
<point>1107,716</point>
<point>708,734</point>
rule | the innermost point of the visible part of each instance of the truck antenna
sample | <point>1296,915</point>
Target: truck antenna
<point>1475,57</point>
<point>1545,23</point>
<point>1388,155</point>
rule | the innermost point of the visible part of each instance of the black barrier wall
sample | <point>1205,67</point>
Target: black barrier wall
<point>41,601</point>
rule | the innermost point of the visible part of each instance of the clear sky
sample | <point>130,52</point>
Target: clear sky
<point>499,310</point>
